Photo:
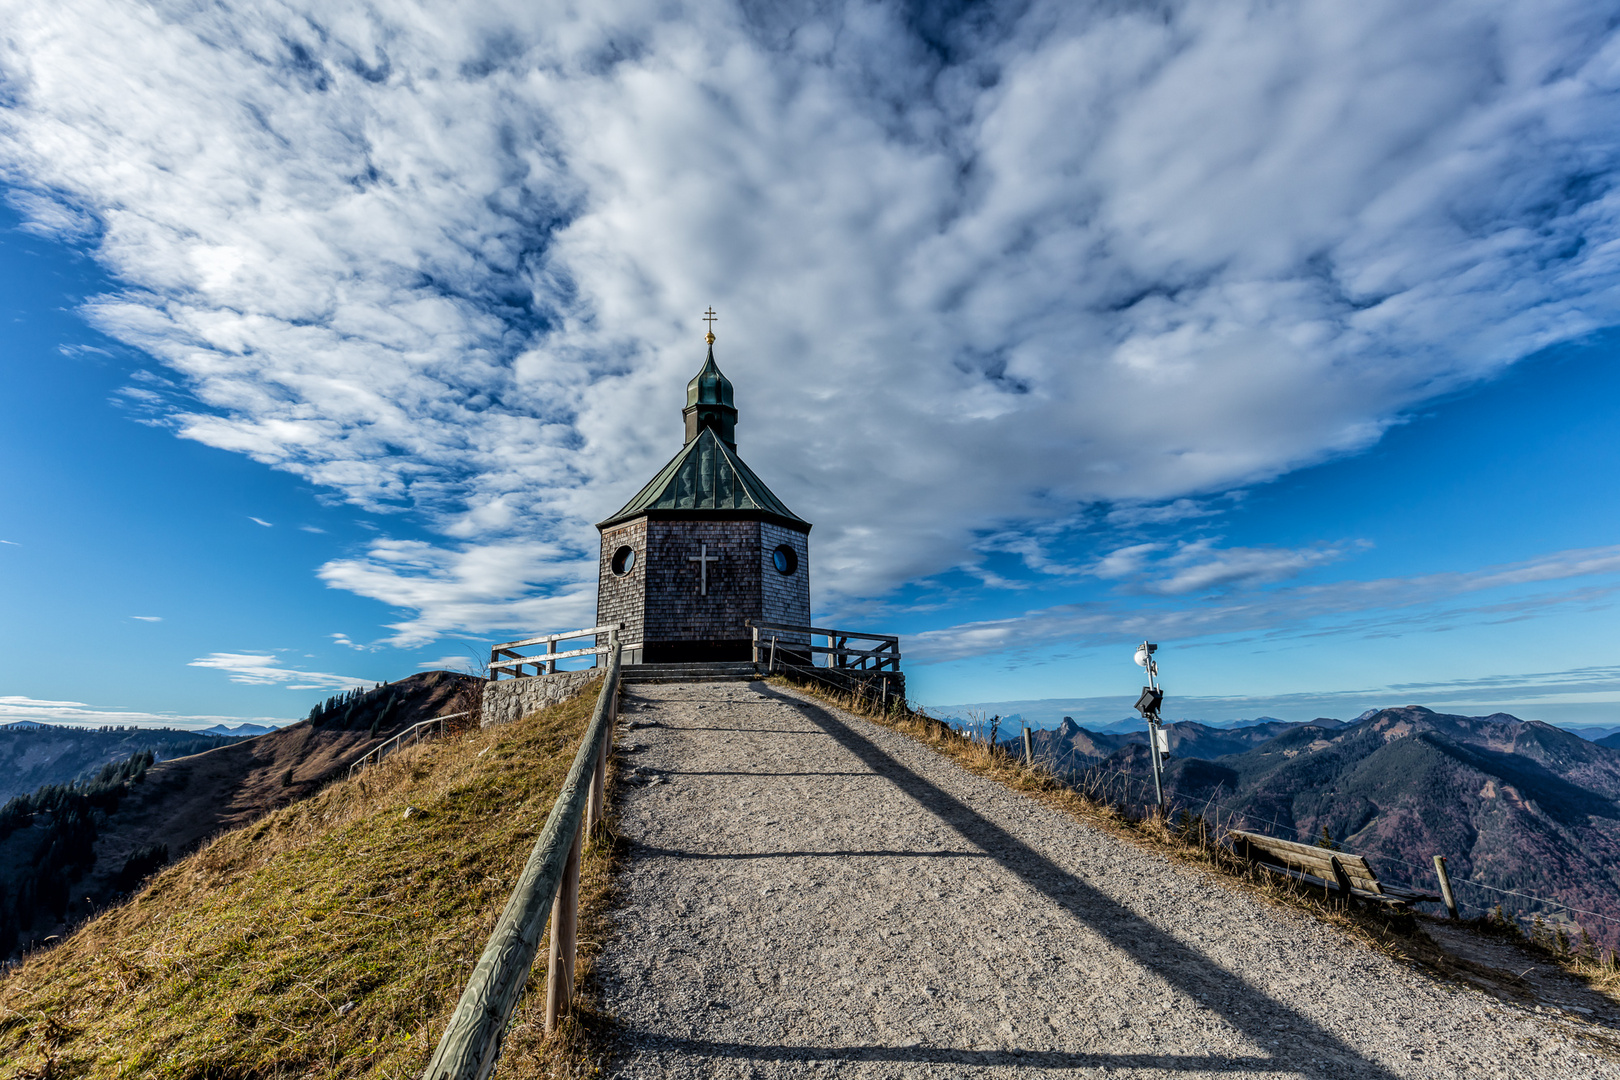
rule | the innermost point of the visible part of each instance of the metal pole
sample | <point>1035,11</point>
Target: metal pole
<point>772,669</point>
<point>1158,766</point>
<point>1029,749</point>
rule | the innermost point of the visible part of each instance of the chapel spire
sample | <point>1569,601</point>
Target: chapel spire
<point>708,398</point>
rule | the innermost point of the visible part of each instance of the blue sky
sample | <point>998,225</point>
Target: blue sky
<point>1288,342</point>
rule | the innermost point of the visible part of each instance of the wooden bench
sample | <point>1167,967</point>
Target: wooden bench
<point>1339,872</point>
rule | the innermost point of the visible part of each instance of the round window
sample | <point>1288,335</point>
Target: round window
<point>624,560</point>
<point>785,559</point>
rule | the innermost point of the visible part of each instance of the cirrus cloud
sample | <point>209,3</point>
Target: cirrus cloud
<point>264,669</point>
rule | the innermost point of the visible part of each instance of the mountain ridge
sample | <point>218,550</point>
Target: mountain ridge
<point>1516,805</point>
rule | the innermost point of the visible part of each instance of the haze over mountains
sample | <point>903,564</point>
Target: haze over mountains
<point>1513,804</point>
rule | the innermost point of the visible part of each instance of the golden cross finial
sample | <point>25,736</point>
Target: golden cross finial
<point>710,317</point>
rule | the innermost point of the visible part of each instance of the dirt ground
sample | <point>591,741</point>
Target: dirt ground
<point>811,893</point>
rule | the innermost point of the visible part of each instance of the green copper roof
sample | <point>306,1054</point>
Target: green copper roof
<point>709,386</point>
<point>706,476</point>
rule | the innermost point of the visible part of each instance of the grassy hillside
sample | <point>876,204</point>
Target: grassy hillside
<point>330,938</point>
<point>66,856</point>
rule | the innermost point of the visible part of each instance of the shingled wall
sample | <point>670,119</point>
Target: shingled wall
<point>660,602</point>
<point>622,598</point>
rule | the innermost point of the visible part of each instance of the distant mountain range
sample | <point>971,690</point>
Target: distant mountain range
<point>240,731</point>
<point>1514,804</point>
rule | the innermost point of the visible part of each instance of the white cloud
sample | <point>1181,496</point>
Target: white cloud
<point>1125,562</point>
<point>451,260</point>
<point>14,708</point>
<point>511,585</point>
<point>1379,607</point>
<point>312,529</point>
<point>264,669</point>
<point>1163,514</point>
<point>147,618</point>
<point>1199,566</point>
<point>260,521</point>
<point>465,662</point>
<point>13,543</point>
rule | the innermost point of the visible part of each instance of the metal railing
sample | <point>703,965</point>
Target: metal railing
<point>413,734</point>
<point>885,656</point>
<point>549,886</point>
<point>513,662</point>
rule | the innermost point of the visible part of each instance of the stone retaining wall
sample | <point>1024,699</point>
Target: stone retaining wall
<point>513,699</point>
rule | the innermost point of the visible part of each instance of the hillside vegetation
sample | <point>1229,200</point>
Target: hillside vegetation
<point>66,852</point>
<point>1511,803</point>
<point>36,757</point>
<point>330,938</point>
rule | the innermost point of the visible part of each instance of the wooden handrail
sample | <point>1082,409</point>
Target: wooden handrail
<point>380,751</point>
<point>544,658</point>
<point>513,663</point>
<point>823,631</point>
<point>837,650</point>
<point>548,886</point>
<point>566,636</point>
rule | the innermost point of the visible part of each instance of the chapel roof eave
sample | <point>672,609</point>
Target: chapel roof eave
<point>706,478</point>
<point>794,523</point>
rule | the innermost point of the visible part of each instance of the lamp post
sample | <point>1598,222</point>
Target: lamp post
<point>1148,705</point>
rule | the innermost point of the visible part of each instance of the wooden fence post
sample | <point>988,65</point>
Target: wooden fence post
<point>755,630</point>
<point>1029,750</point>
<point>564,934</point>
<point>1445,886</point>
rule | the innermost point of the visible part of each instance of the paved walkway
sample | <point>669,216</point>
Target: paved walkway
<point>811,893</point>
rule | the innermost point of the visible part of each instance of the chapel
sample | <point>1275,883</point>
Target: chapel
<point>704,548</point>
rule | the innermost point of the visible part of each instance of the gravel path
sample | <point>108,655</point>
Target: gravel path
<point>811,893</point>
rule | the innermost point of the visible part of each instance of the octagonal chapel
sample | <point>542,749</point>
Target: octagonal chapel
<point>703,548</point>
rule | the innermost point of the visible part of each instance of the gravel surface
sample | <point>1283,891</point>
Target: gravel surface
<point>811,893</point>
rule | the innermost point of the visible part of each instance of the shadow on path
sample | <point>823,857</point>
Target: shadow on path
<point>944,1055</point>
<point>1259,1016</point>
<point>671,853</point>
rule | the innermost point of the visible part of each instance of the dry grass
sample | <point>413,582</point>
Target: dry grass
<point>331,938</point>
<point>1192,840</point>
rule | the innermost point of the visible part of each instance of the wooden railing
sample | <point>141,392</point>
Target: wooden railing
<point>413,734</point>
<point>505,658</point>
<point>885,656</point>
<point>549,886</point>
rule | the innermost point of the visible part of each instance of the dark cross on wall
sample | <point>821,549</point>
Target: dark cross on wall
<point>703,559</point>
